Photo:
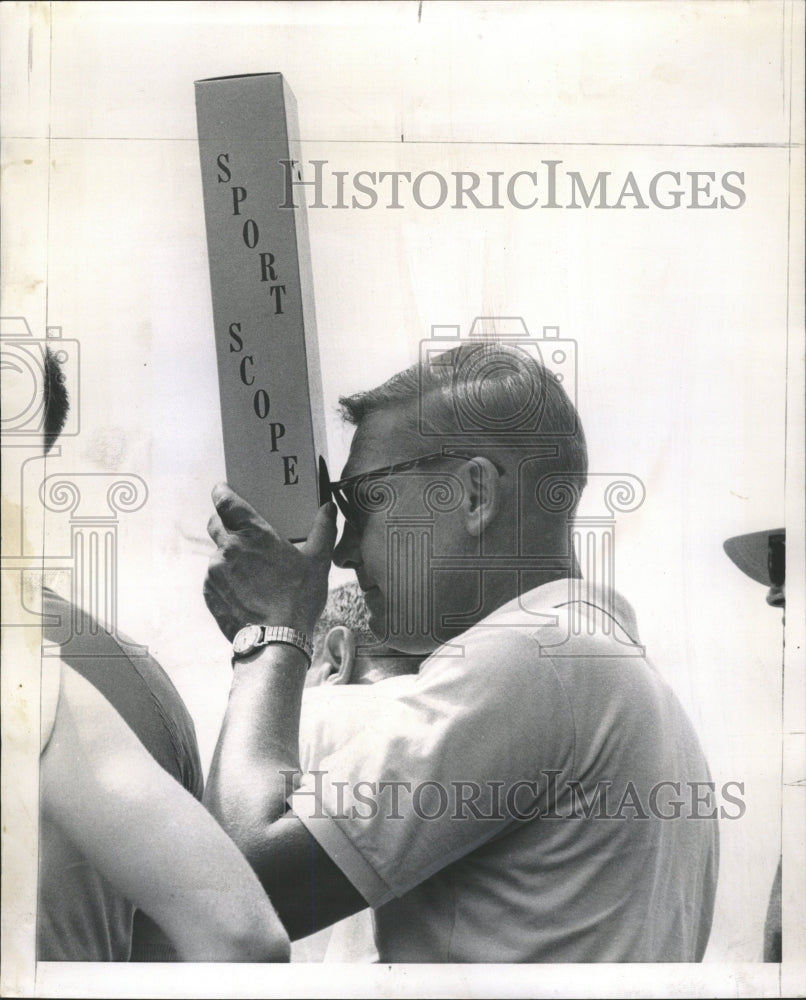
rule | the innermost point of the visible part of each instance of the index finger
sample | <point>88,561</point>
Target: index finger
<point>235,513</point>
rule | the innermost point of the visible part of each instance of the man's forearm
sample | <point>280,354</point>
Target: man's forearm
<point>257,576</point>
<point>259,740</point>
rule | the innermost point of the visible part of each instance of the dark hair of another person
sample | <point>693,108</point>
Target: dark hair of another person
<point>56,400</point>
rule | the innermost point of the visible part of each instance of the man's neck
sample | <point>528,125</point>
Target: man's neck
<point>508,586</point>
<point>512,585</point>
<point>395,666</point>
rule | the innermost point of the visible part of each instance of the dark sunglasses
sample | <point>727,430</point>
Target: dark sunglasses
<point>355,497</point>
<point>776,560</point>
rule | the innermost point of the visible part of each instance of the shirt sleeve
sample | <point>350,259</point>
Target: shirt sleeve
<point>442,768</point>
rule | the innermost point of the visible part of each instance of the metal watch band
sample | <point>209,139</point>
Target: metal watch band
<point>252,637</point>
<point>289,636</point>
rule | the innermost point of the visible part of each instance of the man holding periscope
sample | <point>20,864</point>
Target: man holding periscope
<point>520,800</point>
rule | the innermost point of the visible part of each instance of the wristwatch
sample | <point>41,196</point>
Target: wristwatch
<point>252,637</point>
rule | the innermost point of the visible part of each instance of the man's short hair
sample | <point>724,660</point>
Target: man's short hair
<point>496,381</point>
<point>56,400</point>
<point>345,606</point>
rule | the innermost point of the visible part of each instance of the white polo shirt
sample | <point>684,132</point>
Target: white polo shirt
<point>331,715</point>
<point>517,801</point>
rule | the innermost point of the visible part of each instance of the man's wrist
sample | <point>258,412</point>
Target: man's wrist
<point>274,655</point>
<point>253,637</point>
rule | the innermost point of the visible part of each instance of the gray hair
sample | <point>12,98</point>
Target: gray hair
<point>345,606</point>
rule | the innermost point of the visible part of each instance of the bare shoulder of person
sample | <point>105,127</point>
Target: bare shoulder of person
<point>154,842</point>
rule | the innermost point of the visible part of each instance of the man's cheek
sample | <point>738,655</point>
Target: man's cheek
<point>374,552</point>
<point>378,616</point>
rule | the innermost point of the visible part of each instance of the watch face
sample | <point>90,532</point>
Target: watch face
<point>245,640</point>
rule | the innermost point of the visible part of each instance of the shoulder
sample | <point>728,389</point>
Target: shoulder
<point>166,703</point>
<point>503,648</point>
<point>494,680</point>
<point>133,682</point>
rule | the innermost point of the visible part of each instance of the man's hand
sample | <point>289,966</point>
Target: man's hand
<point>258,577</point>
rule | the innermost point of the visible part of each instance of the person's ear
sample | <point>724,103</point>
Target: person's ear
<point>339,654</point>
<point>482,494</point>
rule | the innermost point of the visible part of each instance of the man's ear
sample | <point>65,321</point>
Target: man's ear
<point>482,494</point>
<point>339,655</point>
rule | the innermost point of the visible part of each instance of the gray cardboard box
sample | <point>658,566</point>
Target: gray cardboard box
<point>263,308</point>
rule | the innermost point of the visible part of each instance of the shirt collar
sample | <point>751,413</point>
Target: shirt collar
<point>564,592</point>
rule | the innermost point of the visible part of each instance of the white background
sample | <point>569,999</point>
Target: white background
<point>680,317</point>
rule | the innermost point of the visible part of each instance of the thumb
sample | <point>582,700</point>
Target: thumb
<point>235,513</point>
<point>322,537</point>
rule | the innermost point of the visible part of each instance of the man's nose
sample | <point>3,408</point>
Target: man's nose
<point>776,597</point>
<point>347,554</point>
